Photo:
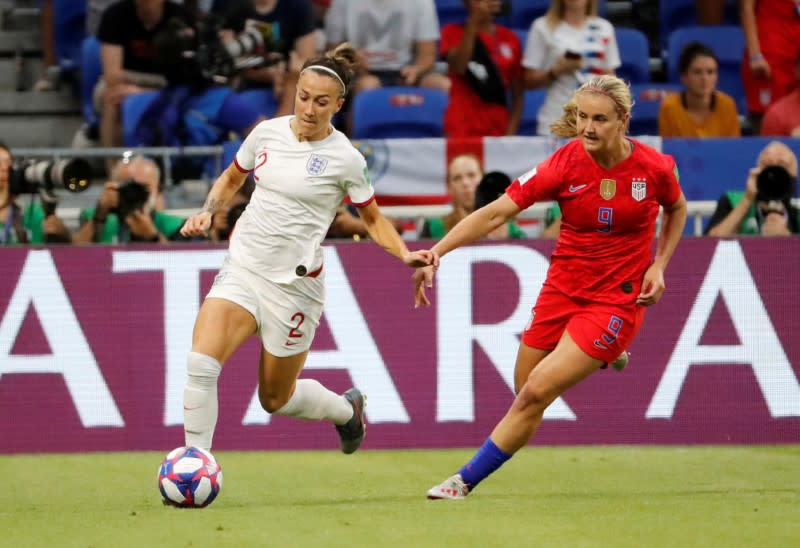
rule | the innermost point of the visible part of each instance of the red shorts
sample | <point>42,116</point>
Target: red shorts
<point>601,330</point>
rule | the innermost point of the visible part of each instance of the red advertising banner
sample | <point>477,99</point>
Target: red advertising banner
<point>93,343</point>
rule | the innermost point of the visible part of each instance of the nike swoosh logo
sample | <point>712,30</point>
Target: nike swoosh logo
<point>573,188</point>
<point>290,343</point>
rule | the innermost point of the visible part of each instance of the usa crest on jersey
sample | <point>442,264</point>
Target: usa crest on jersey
<point>316,164</point>
<point>638,189</point>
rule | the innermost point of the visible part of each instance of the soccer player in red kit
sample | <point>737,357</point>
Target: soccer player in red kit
<point>602,274</point>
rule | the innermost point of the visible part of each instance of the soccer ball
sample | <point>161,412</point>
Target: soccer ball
<point>189,477</point>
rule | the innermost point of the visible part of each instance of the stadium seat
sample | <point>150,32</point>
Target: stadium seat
<point>524,12</point>
<point>727,41</point>
<point>263,99</point>
<point>675,14</point>
<point>532,101</point>
<point>450,11</point>
<point>399,112</point>
<point>91,68</point>
<point>69,28</point>
<point>646,103</point>
<point>522,34</point>
<point>133,107</point>
<point>634,51</point>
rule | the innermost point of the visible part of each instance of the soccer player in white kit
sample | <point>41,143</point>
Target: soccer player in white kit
<point>272,280</point>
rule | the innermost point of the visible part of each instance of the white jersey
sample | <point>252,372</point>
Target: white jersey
<point>299,187</point>
<point>595,41</point>
<point>387,30</point>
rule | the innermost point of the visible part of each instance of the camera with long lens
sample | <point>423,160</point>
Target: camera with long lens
<point>44,176</point>
<point>132,197</point>
<point>198,55</point>
<point>775,185</point>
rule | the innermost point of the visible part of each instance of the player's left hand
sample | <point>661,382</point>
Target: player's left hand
<point>652,286</point>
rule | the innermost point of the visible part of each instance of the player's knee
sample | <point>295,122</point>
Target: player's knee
<point>202,369</point>
<point>533,397</point>
<point>271,401</point>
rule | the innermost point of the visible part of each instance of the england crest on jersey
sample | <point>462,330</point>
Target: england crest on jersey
<point>638,189</point>
<point>316,165</point>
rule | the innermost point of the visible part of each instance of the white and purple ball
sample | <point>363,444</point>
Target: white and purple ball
<point>189,477</point>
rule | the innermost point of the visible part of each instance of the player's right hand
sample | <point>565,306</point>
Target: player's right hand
<point>422,277</point>
<point>198,224</point>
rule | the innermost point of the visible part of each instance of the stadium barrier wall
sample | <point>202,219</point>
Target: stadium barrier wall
<point>93,343</point>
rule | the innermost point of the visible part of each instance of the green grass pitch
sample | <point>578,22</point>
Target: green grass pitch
<point>561,497</point>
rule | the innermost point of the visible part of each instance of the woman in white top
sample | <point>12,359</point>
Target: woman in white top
<point>567,46</point>
<point>272,280</point>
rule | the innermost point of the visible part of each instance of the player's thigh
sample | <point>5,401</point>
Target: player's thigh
<point>564,367</point>
<point>527,358</point>
<point>221,327</point>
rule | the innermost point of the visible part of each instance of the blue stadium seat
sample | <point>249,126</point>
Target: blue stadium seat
<point>532,101</point>
<point>522,34</point>
<point>399,112</point>
<point>69,28</point>
<point>675,14</point>
<point>263,99</point>
<point>646,103</point>
<point>450,11</point>
<point>524,12</point>
<point>634,51</point>
<point>727,41</point>
<point>133,107</point>
<point>91,68</point>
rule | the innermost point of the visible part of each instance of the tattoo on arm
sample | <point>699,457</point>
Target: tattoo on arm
<point>212,204</point>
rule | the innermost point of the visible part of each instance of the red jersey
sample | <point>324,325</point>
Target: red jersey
<point>467,114</point>
<point>608,217</point>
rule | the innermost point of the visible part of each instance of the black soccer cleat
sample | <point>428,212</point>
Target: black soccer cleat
<point>351,433</point>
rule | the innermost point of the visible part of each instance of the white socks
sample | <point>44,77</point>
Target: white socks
<point>313,401</point>
<point>200,406</point>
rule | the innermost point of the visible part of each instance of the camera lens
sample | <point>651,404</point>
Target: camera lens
<point>774,183</point>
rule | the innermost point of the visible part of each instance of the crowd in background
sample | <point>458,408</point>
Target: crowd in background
<point>480,63</point>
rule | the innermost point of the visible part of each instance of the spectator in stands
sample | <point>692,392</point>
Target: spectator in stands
<point>396,42</point>
<point>139,51</point>
<point>130,59</point>
<point>783,116</point>
<point>24,225</point>
<point>464,172</point>
<point>492,186</point>
<point>130,208</point>
<point>565,47</point>
<point>287,26</point>
<point>771,29</point>
<point>50,78</point>
<point>483,59</point>
<point>709,12</point>
<point>701,110</point>
<point>764,207</point>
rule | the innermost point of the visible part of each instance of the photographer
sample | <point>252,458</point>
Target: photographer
<point>764,207</point>
<point>130,208</point>
<point>285,27</point>
<point>24,225</point>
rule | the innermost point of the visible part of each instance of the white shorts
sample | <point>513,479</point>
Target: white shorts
<point>287,315</point>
